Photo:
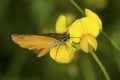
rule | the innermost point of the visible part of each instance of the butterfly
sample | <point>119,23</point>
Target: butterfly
<point>42,42</point>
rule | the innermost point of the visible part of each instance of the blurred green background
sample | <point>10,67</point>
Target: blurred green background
<point>39,16</point>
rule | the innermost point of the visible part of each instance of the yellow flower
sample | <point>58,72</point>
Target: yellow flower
<point>63,52</point>
<point>85,31</point>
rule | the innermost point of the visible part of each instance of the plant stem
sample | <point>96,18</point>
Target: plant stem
<point>78,7</point>
<point>113,42</point>
<point>100,65</point>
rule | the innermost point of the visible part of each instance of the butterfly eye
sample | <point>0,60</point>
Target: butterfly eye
<point>64,39</point>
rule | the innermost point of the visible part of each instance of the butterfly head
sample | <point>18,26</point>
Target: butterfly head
<point>62,37</point>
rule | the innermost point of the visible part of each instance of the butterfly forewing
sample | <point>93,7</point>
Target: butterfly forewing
<point>33,41</point>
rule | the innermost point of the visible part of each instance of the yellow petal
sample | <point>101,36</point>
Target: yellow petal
<point>61,24</point>
<point>88,43</point>
<point>90,26</point>
<point>75,30</point>
<point>62,54</point>
<point>94,16</point>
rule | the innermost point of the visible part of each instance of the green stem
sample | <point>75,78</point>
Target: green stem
<point>113,42</point>
<point>78,7</point>
<point>100,65</point>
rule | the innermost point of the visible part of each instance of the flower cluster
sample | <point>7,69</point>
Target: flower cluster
<point>83,31</point>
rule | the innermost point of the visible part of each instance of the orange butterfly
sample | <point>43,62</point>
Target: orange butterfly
<point>42,42</point>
